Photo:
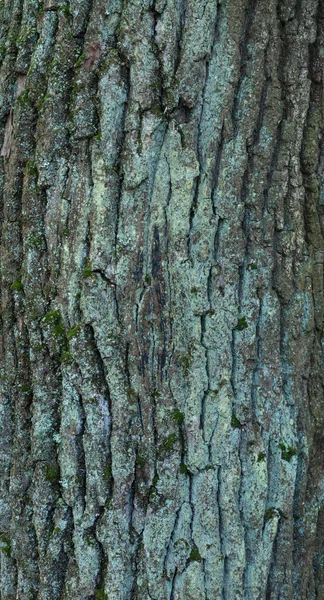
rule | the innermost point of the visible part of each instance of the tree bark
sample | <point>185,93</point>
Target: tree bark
<point>162,254</point>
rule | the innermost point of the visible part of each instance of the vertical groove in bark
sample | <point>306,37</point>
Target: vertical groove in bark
<point>161,299</point>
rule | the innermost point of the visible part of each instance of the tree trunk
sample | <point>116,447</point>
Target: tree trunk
<point>162,257</point>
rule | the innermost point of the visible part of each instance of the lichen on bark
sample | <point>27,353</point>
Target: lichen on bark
<point>161,255</point>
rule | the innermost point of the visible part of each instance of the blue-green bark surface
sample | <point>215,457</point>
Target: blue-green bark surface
<point>161,194</point>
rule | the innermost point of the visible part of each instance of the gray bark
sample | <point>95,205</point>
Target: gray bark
<point>162,194</point>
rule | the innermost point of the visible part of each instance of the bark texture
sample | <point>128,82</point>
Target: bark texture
<point>162,253</point>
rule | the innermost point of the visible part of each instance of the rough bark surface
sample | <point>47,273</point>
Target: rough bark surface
<point>162,253</point>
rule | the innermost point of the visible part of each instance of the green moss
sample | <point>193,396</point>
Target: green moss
<point>38,347</point>
<point>42,101</point>
<point>52,316</point>
<point>87,271</point>
<point>65,9</point>
<point>287,452</point>
<point>235,422</point>
<point>25,36</point>
<point>194,555</point>
<point>140,461</point>
<point>194,291</point>
<point>23,98</point>
<point>98,136</point>
<point>73,332</point>
<point>270,513</point>
<point>17,286</point>
<point>155,394</point>
<point>156,110</point>
<point>120,250</point>
<point>152,491</point>
<point>31,168</point>
<point>55,64</point>
<point>186,359</point>
<point>3,50</point>
<point>131,394</point>
<point>34,241</point>
<point>52,473</point>
<point>252,266</point>
<point>177,415</point>
<point>165,575</point>
<point>80,60</point>
<point>148,279</point>
<point>186,363</point>
<point>5,545</point>
<point>26,389</point>
<point>66,358</point>
<point>65,233</point>
<point>57,530</point>
<point>168,443</point>
<point>100,594</point>
<point>54,319</point>
<point>91,400</point>
<point>90,541</point>
<point>107,472</point>
<point>261,456</point>
<point>210,467</point>
<point>183,469</point>
<point>241,324</point>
